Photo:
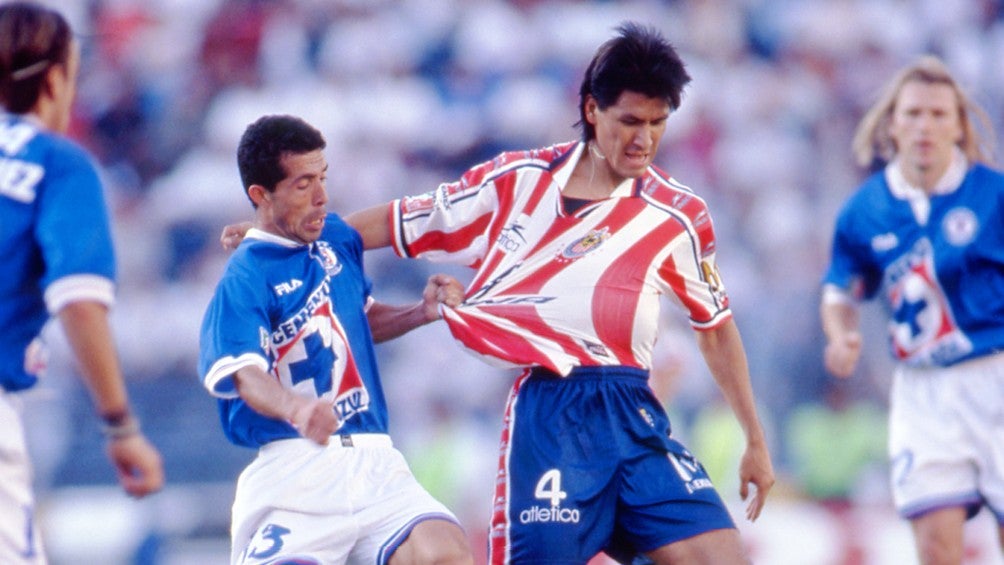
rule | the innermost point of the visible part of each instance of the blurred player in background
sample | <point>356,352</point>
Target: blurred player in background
<point>574,245</point>
<point>58,260</point>
<point>286,347</point>
<point>925,235</point>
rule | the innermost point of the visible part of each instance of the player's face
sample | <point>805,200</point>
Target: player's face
<point>926,127</point>
<point>297,207</point>
<point>628,132</point>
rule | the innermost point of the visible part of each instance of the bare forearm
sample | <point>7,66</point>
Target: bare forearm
<point>388,322</point>
<point>263,393</point>
<point>726,359</point>
<point>838,319</point>
<point>89,335</point>
<point>313,418</point>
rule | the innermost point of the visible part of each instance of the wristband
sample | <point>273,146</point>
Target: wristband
<point>119,425</point>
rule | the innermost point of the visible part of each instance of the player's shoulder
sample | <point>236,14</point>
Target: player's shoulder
<point>538,157</point>
<point>27,140</point>
<point>873,193</point>
<point>339,234</point>
<point>987,175</point>
<point>663,191</point>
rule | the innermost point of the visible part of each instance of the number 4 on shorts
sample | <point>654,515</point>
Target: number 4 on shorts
<point>549,488</point>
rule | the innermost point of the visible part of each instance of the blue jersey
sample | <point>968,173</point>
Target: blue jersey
<point>297,311</point>
<point>942,281</point>
<point>55,241</point>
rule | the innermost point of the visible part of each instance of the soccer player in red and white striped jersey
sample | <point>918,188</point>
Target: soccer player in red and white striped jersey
<point>573,247</point>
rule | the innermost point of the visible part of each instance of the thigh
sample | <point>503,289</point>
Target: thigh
<point>555,499</point>
<point>293,501</point>
<point>667,498</point>
<point>717,547</point>
<point>939,535</point>
<point>981,407</point>
<point>395,514</point>
<point>285,536</point>
<point>933,457</point>
<point>434,541</point>
<point>19,537</point>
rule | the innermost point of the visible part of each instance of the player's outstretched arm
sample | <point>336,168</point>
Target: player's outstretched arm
<point>233,234</point>
<point>388,322</point>
<point>138,464</point>
<point>373,225</point>
<point>723,351</point>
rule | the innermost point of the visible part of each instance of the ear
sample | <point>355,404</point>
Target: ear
<point>591,107</point>
<point>258,194</point>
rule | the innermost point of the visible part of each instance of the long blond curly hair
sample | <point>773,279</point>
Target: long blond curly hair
<point>872,139</point>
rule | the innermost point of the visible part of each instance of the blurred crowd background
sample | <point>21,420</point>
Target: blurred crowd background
<point>409,93</point>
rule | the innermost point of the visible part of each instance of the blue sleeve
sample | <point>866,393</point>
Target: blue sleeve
<point>235,329</point>
<point>850,268</point>
<point>73,229</point>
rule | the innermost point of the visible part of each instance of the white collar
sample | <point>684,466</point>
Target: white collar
<point>262,235</point>
<point>949,182</point>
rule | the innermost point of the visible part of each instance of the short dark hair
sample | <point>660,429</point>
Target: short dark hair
<point>638,59</point>
<point>32,39</point>
<point>266,141</point>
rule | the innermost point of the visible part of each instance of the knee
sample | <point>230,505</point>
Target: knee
<point>937,550</point>
<point>434,543</point>
<point>444,554</point>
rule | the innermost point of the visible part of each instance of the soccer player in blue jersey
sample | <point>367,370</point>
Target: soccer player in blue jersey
<point>574,247</point>
<point>925,236</point>
<point>287,349</point>
<point>58,262</point>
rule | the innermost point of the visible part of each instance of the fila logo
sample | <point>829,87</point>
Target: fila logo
<point>288,287</point>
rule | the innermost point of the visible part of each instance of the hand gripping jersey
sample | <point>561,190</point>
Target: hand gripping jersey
<point>941,280</point>
<point>558,289</point>
<point>298,312</point>
<point>55,240</point>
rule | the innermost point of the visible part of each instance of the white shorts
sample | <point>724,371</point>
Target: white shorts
<point>946,437</point>
<point>333,504</point>
<point>19,538</point>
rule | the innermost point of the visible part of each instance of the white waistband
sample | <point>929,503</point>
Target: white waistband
<point>337,441</point>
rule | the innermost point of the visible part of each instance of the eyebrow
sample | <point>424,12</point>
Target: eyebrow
<point>310,175</point>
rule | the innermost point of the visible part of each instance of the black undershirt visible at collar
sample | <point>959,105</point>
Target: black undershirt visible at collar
<point>573,205</point>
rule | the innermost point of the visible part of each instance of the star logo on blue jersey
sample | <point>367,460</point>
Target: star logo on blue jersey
<point>908,313</point>
<point>960,226</point>
<point>328,258</point>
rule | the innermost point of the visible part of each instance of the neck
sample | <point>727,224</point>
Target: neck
<point>592,178</point>
<point>45,111</point>
<point>924,178</point>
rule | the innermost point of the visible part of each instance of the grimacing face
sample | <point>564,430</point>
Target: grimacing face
<point>628,132</point>
<point>297,207</point>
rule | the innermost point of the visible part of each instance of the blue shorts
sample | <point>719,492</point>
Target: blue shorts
<point>587,465</point>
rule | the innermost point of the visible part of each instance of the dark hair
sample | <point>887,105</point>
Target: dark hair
<point>266,141</point>
<point>32,39</point>
<point>639,60</point>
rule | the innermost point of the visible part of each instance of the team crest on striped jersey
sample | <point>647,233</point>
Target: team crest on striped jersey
<point>590,242</point>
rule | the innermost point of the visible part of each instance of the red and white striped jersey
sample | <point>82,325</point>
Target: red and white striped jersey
<point>558,289</point>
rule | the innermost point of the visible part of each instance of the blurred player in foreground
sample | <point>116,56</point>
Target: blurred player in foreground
<point>925,236</point>
<point>286,347</point>
<point>574,245</point>
<point>58,261</point>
